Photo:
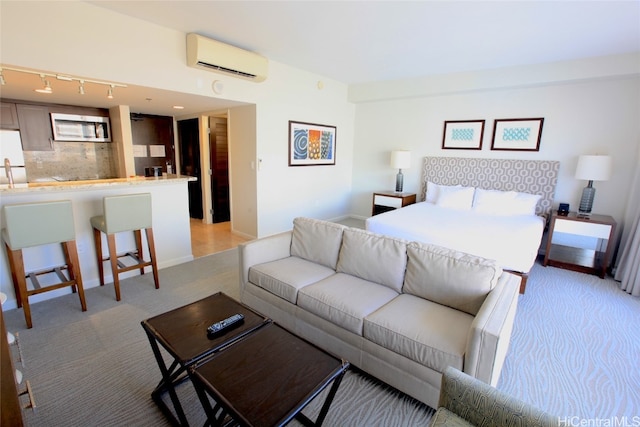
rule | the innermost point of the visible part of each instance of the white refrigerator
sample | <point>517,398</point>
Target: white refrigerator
<point>11,149</point>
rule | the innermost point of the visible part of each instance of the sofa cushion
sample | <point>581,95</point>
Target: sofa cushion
<point>344,300</point>
<point>286,276</point>
<point>421,330</point>
<point>316,240</point>
<point>449,277</point>
<point>373,257</point>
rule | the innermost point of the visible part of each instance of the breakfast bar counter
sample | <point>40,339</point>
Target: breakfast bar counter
<point>90,184</point>
<point>170,206</point>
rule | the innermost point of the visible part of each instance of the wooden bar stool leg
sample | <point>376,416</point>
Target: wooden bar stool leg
<point>152,255</point>
<point>14,276</point>
<point>73,265</point>
<point>17,261</point>
<point>138,236</point>
<point>97,238</point>
<point>113,258</point>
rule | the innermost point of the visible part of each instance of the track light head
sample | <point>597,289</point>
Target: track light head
<point>47,85</point>
<point>110,92</point>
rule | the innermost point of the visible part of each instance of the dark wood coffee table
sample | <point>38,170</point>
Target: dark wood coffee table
<point>182,332</point>
<point>266,379</point>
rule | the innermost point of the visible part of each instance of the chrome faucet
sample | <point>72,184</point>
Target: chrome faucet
<point>8,172</point>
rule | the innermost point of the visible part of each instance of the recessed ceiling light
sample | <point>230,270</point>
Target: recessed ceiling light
<point>178,107</point>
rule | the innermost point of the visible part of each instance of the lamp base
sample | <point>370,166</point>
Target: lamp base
<point>586,202</point>
<point>399,178</point>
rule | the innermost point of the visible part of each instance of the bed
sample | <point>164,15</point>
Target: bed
<point>493,208</point>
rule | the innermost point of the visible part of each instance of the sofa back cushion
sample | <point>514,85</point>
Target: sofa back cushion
<point>317,241</point>
<point>373,257</point>
<point>449,277</point>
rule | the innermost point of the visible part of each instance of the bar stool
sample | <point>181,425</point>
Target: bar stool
<point>37,224</point>
<point>130,212</point>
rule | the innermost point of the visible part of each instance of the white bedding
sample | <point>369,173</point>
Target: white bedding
<point>512,241</point>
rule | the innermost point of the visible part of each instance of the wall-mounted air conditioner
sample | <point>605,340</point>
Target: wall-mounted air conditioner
<point>219,57</point>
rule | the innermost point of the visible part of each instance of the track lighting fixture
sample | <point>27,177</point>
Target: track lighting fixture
<point>46,84</point>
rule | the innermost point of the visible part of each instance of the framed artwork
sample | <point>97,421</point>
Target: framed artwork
<point>517,134</point>
<point>311,144</point>
<point>463,135</point>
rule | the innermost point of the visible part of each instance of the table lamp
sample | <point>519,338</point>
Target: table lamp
<point>591,168</point>
<point>400,159</point>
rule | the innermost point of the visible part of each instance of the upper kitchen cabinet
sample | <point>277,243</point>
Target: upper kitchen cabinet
<point>35,127</point>
<point>8,116</point>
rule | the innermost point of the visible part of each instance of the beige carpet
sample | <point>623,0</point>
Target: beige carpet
<point>97,369</point>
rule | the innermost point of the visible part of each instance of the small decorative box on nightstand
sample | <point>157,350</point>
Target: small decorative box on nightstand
<point>384,201</point>
<point>580,243</point>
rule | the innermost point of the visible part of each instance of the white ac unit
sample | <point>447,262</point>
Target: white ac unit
<point>219,57</point>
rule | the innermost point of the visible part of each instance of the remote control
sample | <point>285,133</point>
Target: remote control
<point>225,324</point>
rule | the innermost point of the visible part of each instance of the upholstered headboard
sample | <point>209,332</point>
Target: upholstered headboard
<point>525,176</point>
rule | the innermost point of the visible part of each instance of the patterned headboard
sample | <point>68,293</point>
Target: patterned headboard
<point>525,176</point>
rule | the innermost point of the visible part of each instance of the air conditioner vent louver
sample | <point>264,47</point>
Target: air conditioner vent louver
<point>226,70</point>
<point>223,58</point>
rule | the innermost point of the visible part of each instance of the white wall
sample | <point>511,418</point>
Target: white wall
<point>585,116</point>
<point>81,39</point>
<point>243,170</point>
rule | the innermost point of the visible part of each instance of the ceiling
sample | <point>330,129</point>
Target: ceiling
<point>364,41</point>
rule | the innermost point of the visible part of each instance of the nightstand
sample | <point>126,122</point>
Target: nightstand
<point>580,243</point>
<point>384,201</point>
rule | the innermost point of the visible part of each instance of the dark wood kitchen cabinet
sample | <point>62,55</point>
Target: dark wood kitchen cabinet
<point>35,127</point>
<point>8,116</point>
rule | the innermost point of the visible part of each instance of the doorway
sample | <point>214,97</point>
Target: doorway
<point>189,139</point>
<point>217,172</point>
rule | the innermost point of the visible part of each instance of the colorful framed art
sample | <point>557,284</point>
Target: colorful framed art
<point>517,134</point>
<point>463,135</point>
<point>311,144</point>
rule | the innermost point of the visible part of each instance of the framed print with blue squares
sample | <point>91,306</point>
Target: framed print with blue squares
<point>517,134</point>
<point>463,135</point>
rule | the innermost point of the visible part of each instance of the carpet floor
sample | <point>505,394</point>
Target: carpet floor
<point>574,352</point>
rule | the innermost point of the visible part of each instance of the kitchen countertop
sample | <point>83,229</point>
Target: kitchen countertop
<point>91,184</point>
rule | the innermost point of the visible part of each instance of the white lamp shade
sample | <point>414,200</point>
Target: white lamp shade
<point>400,159</point>
<point>593,168</point>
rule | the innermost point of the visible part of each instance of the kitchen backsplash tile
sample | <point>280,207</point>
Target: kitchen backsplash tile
<point>72,160</point>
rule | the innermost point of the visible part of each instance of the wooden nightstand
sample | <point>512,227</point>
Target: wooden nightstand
<point>580,243</point>
<point>384,201</point>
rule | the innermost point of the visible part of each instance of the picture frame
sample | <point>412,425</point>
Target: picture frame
<point>517,134</point>
<point>463,135</point>
<point>311,144</point>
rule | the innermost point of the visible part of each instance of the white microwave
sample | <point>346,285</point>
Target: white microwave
<point>73,127</point>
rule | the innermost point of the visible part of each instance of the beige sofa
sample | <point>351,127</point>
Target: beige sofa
<point>401,311</point>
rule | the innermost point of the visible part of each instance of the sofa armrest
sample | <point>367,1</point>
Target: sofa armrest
<point>262,250</point>
<point>480,404</point>
<point>490,332</point>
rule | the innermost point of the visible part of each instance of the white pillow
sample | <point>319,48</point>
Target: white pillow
<point>434,189</point>
<point>455,197</point>
<point>525,204</point>
<point>497,202</point>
